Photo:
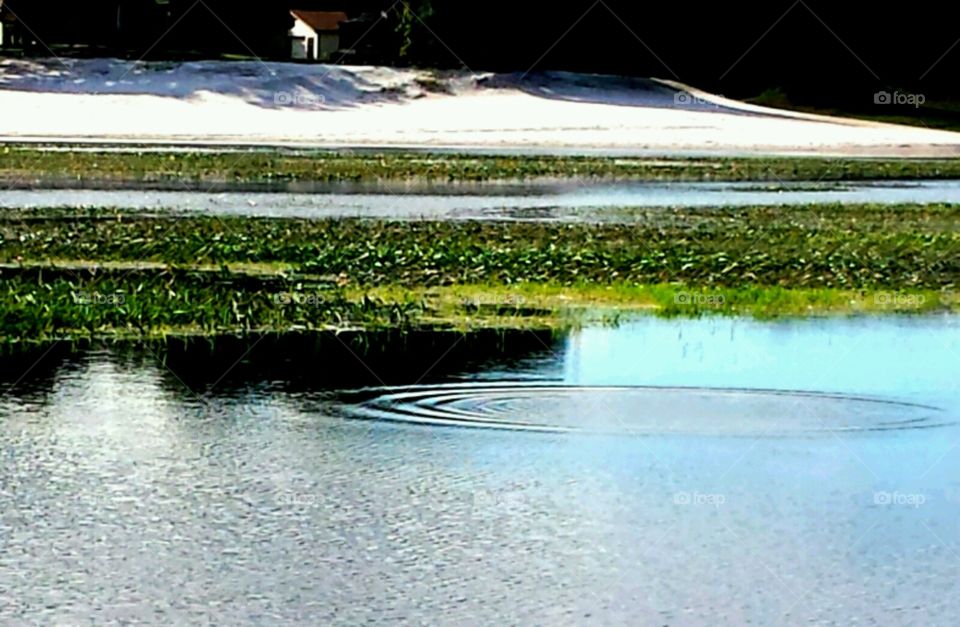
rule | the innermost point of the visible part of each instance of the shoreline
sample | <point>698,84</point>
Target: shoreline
<point>468,309</point>
<point>141,143</point>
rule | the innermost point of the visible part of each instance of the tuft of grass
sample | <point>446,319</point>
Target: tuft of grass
<point>48,304</point>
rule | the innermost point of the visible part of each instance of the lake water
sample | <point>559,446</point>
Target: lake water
<point>664,471</point>
<point>567,202</point>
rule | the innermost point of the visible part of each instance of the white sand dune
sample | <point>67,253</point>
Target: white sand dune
<point>211,102</point>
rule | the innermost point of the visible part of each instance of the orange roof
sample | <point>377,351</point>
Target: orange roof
<point>320,20</point>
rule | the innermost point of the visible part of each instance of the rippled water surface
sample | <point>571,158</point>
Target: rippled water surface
<point>567,202</point>
<point>710,471</point>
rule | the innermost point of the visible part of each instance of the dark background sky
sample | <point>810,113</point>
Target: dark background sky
<point>818,49</point>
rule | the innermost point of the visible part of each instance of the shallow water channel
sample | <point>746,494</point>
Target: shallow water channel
<point>664,471</point>
<point>565,202</point>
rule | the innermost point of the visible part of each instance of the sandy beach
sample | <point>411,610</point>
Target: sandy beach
<point>286,104</point>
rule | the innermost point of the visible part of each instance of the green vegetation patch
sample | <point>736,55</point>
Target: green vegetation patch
<point>53,303</point>
<point>831,246</point>
<point>19,164</point>
<point>110,273</point>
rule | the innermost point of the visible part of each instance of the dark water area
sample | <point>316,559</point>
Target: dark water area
<point>663,471</point>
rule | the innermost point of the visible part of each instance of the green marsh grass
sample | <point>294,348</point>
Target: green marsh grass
<point>103,273</point>
<point>19,164</point>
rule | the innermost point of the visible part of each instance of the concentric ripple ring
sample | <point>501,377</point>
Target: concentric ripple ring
<point>641,410</point>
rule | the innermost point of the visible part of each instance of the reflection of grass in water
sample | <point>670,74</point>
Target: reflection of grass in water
<point>19,163</point>
<point>130,275</point>
<point>796,187</point>
<point>301,360</point>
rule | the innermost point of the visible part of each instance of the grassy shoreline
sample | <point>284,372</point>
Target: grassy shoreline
<point>20,164</point>
<point>112,274</point>
<point>47,304</point>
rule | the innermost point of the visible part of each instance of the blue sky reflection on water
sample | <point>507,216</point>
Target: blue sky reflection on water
<point>909,358</point>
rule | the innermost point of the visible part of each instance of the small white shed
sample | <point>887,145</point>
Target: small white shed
<point>315,35</point>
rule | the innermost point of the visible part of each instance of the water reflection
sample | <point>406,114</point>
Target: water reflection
<point>594,202</point>
<point>227,482</point>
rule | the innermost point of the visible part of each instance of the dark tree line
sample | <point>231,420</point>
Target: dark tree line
<point>816,48</point>
<point>160,26</point>
<point>836,49</point>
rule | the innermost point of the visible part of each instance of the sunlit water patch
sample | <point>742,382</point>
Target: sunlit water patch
<point>560,202</point>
